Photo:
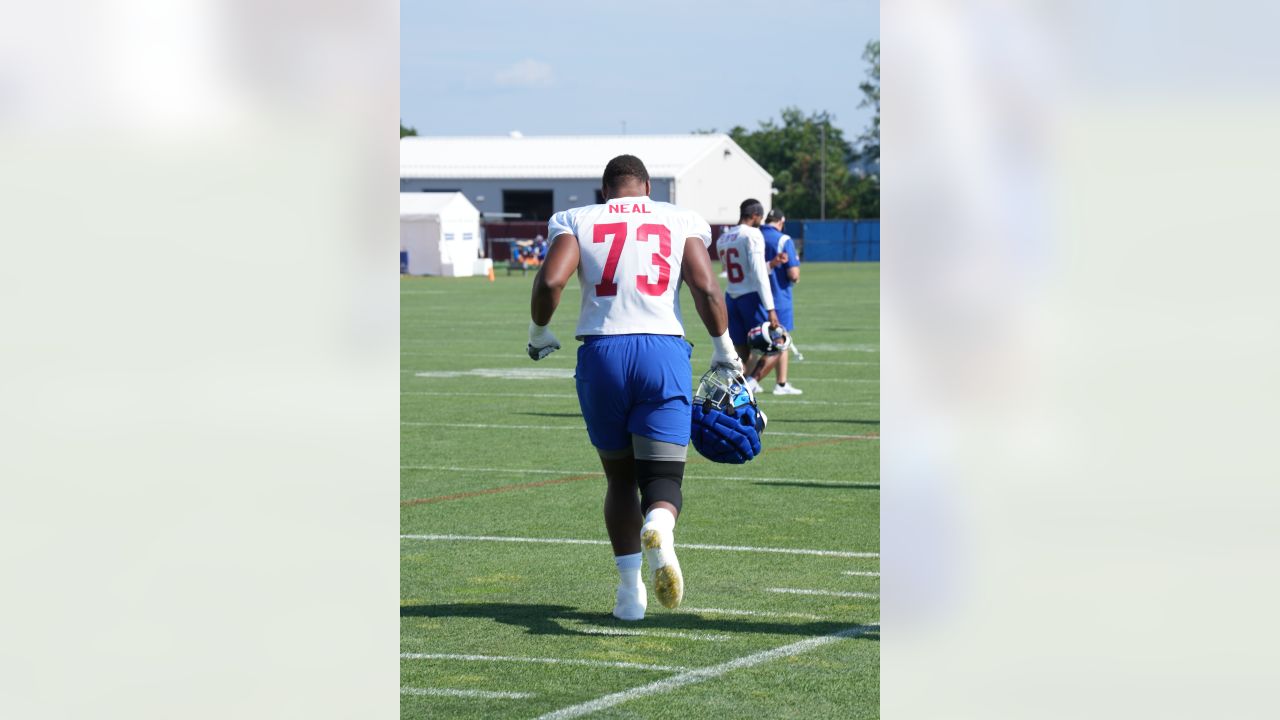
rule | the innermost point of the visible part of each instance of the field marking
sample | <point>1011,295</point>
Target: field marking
<point>703,674</point>
<point>501,395</point>
<point>545,661</point>
<point>826,593</point>
<point>753,613</point>
<point>500,489</point>
<point>861,573</point>
<point>575,397</point>
<point>451,692</point>
<point>841,347</point>
<point>837,362</point>
<point>527,373</point>
<point>684,546</point>
<point>654,633</point>
<point>580,428</point>
<point>517,471</point>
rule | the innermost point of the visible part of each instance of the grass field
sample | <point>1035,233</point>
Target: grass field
<point>780,556</point>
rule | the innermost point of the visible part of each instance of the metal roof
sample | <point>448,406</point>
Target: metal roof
<point>553,156</point>
<point>435,203</point>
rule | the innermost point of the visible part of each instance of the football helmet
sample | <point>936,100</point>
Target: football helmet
<point>726,422</point>
<point>768,340</point>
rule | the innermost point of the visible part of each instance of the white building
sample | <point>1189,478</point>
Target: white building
<point>440,232</point>
<point>532,177</point>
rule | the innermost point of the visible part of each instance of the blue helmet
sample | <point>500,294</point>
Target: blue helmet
<point>768,340</point>
<point>727,423</point>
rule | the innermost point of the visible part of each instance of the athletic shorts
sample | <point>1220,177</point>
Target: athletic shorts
<point>786,316</point>
<point>745,313</point>
<point>635,384</point>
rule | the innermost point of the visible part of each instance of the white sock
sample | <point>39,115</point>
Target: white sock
<point>661,517</point>
<point>629,569</point>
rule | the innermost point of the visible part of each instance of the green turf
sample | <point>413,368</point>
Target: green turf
<point>815,487</point>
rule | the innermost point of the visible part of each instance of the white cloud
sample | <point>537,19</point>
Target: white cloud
<point>526,73</point>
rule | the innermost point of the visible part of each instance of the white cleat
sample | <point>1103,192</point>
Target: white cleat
<point>664,568</point>
<point>753,386</point>
<point>631,603</point>
<point>787,390</point>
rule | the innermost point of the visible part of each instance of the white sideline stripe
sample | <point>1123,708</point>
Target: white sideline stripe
<point>451,692</point>
<point>580,428</point>
<point>487,426</point>
<point>753,613</point>
<point>575,397</point>
<point>828,593</point>
<point>655,633</point>
<point>522,373</point>
<point>702,674</point>
<point>839,380</point>
<point>518,471</point>
<point>547,661</point>
<point>862,573</point>
<point>501,395</point>
<point>838,362</point>
<point>685,546</point>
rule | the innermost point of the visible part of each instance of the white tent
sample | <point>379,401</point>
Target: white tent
<point>440,231</point>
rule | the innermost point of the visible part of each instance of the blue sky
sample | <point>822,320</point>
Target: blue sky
<point>483,67</point>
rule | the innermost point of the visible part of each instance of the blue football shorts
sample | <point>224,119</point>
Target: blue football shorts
<point>745,313</point>
<point>786,315</point>
<point>635,384</point>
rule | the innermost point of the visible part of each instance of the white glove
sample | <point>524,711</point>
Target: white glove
<point>723,354</point>
<point>542,342</point>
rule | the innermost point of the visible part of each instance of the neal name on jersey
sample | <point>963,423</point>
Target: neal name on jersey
<point>631,251</point>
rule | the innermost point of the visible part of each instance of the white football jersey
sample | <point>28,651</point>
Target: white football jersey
<point>742,252</point>
<point>631,251</point>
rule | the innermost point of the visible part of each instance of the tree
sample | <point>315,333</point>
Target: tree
<point>406,131</point>
<point>870,88</point>
<point>792,152</point>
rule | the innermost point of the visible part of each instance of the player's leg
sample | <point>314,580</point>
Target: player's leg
<point>603,397</point>
<point>660,476</point>
<point>786,316</point>
<point>753,315</point>
<point>660,437</point>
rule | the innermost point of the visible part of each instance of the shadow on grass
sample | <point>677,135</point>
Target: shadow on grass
<point>551,620</point>
<point>824,486</point>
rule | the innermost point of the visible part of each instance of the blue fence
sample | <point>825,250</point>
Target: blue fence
<point>836,240</point>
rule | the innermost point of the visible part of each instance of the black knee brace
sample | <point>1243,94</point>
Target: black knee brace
<point>659,480</point>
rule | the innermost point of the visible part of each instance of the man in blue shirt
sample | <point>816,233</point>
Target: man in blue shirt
<point>784,261</point>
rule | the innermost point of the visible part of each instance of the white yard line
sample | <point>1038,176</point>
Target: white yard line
<point>861,573</point>
<point>752,613</point>
<point>498,395</point>
<point>597,471</point>
<point>545,661</point>
<point>825,593</point>
<point>451,692</point>
<point>488,426</point>
<point>703,674</point>
<point>684,546</point>
<point>580,428</point>
<point>788,399</point>
<point>654,633</point>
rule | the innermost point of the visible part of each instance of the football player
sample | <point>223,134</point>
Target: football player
<point>784,263</point>
<point>631,254</point>
<point>749,297</point>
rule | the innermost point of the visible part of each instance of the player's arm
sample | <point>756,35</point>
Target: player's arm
<point>792,262</point>
<point>759,273</point>
<point>559,266</point>
<point>708,299</point>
